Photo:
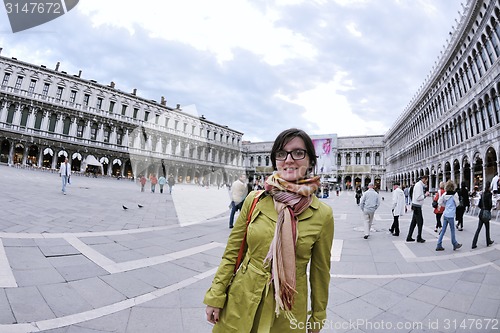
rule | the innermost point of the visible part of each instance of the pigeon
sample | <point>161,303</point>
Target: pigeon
<point>124,207</point>
<point>140,206</point>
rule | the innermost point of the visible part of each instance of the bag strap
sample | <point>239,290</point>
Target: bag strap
<point>241,252</point>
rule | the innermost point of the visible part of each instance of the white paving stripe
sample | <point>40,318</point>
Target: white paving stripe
<point>7,279</point>
<point>114,267</point>
<point>337,246</point>
<point>26,235</point>
<point>408,275</point>
<point>77,318</point>
<point>409,256</point>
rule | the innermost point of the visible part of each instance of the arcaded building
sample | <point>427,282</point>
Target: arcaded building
<point>451,128</point>
<point>47,115</point>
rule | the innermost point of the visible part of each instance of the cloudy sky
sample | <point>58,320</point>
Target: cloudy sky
<point>348,67</point>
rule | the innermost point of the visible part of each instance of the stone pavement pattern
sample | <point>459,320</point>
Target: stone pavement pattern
<point>81,263</point>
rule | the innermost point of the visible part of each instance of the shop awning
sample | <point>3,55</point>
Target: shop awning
<point>91,160</point>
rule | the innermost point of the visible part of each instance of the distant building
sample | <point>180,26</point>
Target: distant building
<point>47,115</point>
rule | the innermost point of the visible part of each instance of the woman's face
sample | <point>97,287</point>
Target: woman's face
<point>292,170</point>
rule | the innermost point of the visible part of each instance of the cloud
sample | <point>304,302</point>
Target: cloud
<point>344,67</point>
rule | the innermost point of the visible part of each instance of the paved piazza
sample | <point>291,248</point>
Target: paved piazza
<point>81,263</point>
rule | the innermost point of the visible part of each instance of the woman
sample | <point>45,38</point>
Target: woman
<point>450,202</point>
<point>485,204</point>
<point>439,209</point>
<point>463,197</point>
<point>269,292</point>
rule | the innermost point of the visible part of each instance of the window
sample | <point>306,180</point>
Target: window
<point>52,122</point>
<point>31,88</point>
<point>111,106</point>
<point>93,131</point>
<point>99,103</point>
<point>377,159</point>
<point>136,110</point>
<point>72,96</point>
<point>24,117</point>
<point>67,124</point>
<point>368,159</point>
<point>339,159</point>
<point>348,159</point>
<point>119,137</point>
<point>358,158</point>
<point>86,99</point>
<point>79,128</point>
<point>176,124</point>
<point>6,78</point>
<point>185,127</point>
<point>10,114</point>
<point>59,92</point>
<point>38,119</point>
<point>157,118</point>
<point>124,110</point>
<point>45,90</point>
<point>19,82</point>
<point>146,115</point>
<point>107,132</point>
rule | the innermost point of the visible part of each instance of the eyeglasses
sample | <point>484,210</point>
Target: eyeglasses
<point>297,154</point>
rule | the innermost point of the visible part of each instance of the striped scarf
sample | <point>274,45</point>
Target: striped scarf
<point>290,199</point>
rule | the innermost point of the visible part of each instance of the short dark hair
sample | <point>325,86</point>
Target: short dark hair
<point>286,136</point>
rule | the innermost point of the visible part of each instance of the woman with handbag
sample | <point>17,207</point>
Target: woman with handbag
<point>288,228</point>
<point>485,204</point>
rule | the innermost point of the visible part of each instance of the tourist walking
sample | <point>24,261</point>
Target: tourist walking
<point>65,174</point>
<point>485,204</point>
<point>398,207</point>
<point>239,192</point>
<point>154,181</point>
<point>358,195</point>
<point>370,201</point>
<point>143,181</point>
<point>463,197</point>
<point>438,210</point>
<point>417,200</point>
<point>449,200</point>
<point>171,183</point>
<point>162,181</point>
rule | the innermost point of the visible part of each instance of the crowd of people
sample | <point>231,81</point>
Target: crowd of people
<point>449,206</point>
<point>450,203</point>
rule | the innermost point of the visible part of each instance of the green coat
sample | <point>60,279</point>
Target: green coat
<point>249,305</point>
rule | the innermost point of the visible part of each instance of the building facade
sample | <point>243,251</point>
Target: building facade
<point>48,115</point>
<point>451,128</point>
